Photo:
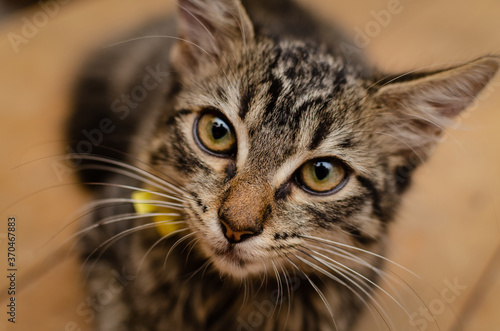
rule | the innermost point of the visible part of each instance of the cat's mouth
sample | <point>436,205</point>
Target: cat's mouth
<point>230,255</point>
<point>233,260</point>
<point>239,259</point>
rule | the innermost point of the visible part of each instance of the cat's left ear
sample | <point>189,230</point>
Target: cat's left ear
<point>414,110</point>
<point>208,29</point>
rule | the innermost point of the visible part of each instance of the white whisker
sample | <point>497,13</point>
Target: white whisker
<point>163,194</point>
<point>362,281</point>
<point>122,234</point>
<point>132,168</point>
<point>334,243</point>
<point>155,182</point>
<point>280,288</point>
<point>175,245</point>
<point>385,276</point>
<point>155,244</point>
<point>321,295</point>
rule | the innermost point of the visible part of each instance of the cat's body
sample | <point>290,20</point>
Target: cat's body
<point>270,243</point>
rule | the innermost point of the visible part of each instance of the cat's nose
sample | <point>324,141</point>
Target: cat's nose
<point>235,237</point>
<point>246,205</point>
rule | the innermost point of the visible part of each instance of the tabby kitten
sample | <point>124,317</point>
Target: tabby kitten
<point>268,164</point>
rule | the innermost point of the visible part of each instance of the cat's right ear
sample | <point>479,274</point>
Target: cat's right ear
<point>207,30</point>
<point>415,110</point>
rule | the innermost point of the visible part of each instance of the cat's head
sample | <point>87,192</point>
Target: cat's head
<point>287,149</point>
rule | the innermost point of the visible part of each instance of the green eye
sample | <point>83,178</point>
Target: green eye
<point>322,175</point>
<point>215,134</point>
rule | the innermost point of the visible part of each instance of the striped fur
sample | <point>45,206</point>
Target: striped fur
<point>281,80</point>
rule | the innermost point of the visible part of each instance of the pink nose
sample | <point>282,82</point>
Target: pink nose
<point>235,237</point>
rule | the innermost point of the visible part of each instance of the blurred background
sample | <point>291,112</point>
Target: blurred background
<point>7,6</point>
<point>447,233</point>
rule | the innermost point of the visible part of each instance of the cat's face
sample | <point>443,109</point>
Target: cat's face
<point>272,143</point>
<point>283,147</point>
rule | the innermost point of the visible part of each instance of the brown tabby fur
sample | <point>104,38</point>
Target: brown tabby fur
<point>281,79</point>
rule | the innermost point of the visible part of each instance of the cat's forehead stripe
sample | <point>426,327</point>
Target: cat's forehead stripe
<point>245,102</point>
<point>320,134</point>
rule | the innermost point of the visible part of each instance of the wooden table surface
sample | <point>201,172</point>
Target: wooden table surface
<point>447,233</point>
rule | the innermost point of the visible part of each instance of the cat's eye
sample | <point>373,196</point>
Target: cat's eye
<point>322,176</point>
<point>215,134</point>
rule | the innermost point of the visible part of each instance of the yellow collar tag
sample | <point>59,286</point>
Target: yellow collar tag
<point>164,223</point>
